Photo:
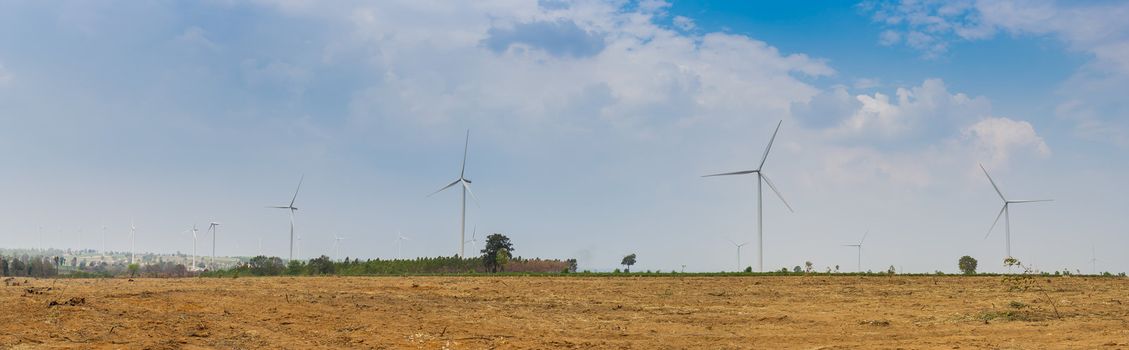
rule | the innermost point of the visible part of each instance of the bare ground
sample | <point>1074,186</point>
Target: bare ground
<point>808,312</point>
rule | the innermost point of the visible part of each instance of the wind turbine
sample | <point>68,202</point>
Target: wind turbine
<point>466,189</point>
<point>859,246</point>
<point>738,245</point>
<point>194,232</point>
<point>1094,259</point>
<point>103,242</point>
<point>336,244</point>
<point>214,227</point>
<point>132,241</point>
<point>291,209</point>
<point>473,237</point>
<point>761,178</point>
<point>400,238</point>
<point>1005,212</point>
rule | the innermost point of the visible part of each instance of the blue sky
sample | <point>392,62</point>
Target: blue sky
<point>591,122</point>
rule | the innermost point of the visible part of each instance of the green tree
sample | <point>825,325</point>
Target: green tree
<point>264,266</point>
<point>501,259</point>
<point>295,267</point>
<point>133,268</point>
<point>628,261</point>
<point>967,265</point>
<point>321,265</point>
<point>495,243</point>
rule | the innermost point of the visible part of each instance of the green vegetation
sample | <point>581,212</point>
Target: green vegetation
<point>497,252</point>
<point>967,265</point>
<point>627,262</point>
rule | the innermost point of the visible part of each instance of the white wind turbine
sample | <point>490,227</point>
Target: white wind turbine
<point>195,235</point>
<point>761,178</point>
<point>1094,259</point>
<point>291,209</point>
<point>1005,212</point>
<point>466,189</point>
<point>132,242</point>
<point>738,245</point>
<point>214,227</point>
<point>337,245</point>
<point>859,246</point>
<point>473,237</point>
<point>103,242</point>
<point>400,238</point>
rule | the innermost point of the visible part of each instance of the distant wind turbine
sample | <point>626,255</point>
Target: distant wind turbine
<point>195,235</point>
<point>214,227</point>
<point>738,245</point>
<point>337,245</point>
<point>1094,259</point>
<point>473,237</point>
<point>400,238</point>
<point>103,242</point>
<point>291,209</point>
<point>466,189</point>
<point>132,242</point>
<point>761,178</point>
<point>1005,212</point>
<point>859,246</point>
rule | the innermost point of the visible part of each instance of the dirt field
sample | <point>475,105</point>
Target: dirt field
<point>809,312</point>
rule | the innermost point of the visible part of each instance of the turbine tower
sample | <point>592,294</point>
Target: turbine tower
<point>761,178</point>
<point>473,237</point>
<point>1094,259</point>
<point>336,245</point>
<point>466,189</point>
<point>1005,212</point>
<point>195,235</point>
<point>132,241</point>
<point>859,246</point>
<point>214,227</point>
<point>738,245</point>
<point>291,209</point>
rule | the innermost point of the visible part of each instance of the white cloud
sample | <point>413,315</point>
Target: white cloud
<point>910,112</point>
<point>1098,29</point>
<point>499,64</point>
<point>1000,138</point>
<point>684,23</point>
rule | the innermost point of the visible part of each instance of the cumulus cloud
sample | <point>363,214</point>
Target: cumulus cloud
<point>922,113</point>
<point>1000,138</point>
<point>1097,29</point>
<point>684,23</point>
<point>562,38</point>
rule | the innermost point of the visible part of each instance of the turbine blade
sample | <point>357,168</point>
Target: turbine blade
<point>466,146</point>
<point>1031,200</point>
<point>300,179</point>
<point>864,237</point>
<point>732,173</point>
<point>445,187</point>
<point>472,196</point>
<point>997,221</point>
<point>993,182</point>
<point>770,141</point>
<point>774,190</point>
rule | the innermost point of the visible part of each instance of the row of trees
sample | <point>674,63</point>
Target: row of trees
<point>37,266</point>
